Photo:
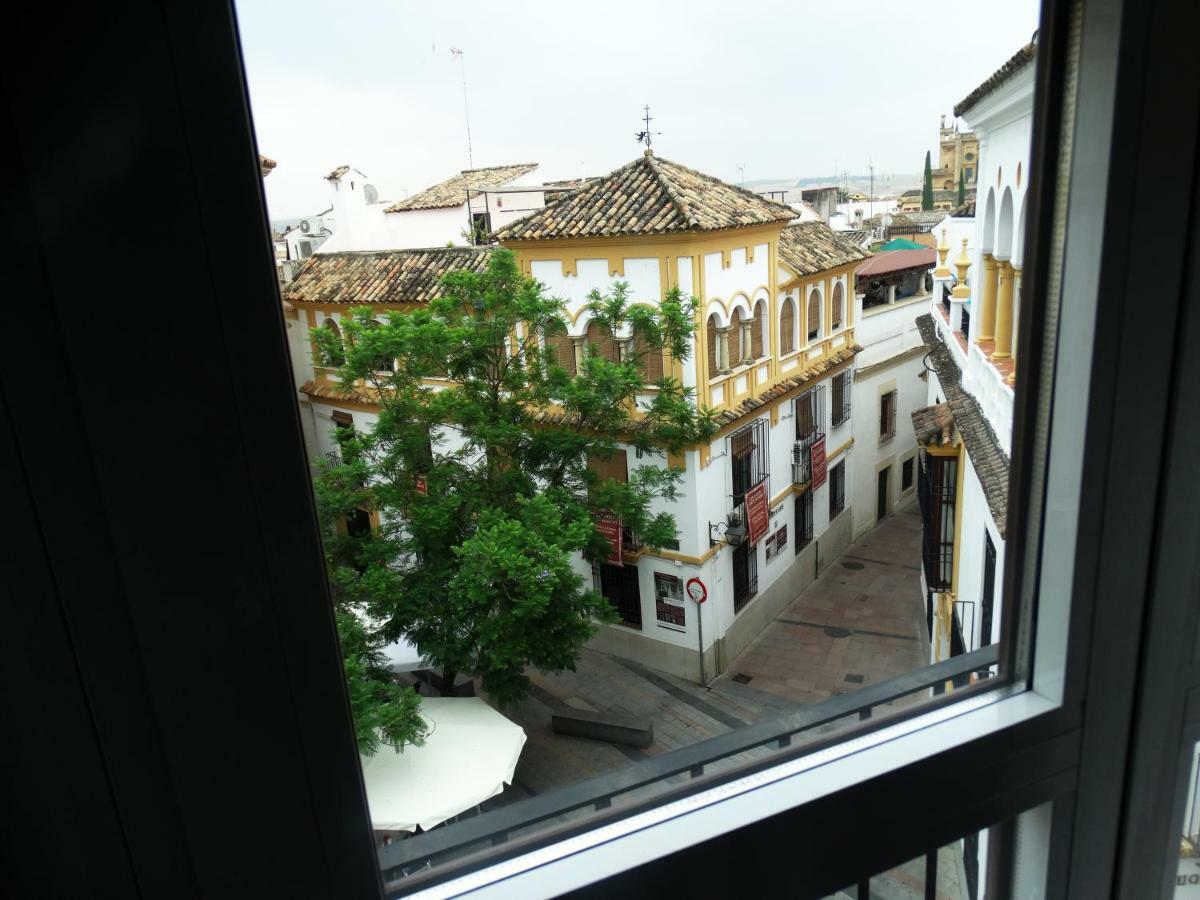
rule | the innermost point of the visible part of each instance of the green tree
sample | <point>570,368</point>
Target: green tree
<point>483,484</point>
<point>927,185</point>
<point>962,188</point>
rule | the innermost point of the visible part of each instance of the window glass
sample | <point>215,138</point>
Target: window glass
<point>609,575</point>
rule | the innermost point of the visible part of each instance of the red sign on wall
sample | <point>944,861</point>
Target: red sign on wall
<point>611,529</point>
<point>758,513</point>
<point>818,462</point>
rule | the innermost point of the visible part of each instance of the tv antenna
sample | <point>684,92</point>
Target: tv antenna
<point>645,137</point>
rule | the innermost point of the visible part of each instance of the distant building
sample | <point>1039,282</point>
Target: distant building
<point>461,211</point>
<point>958,152</point>
<point>910,201</point>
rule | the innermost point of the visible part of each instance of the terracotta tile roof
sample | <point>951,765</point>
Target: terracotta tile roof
<point>337,173</point>
<point>965,211</point>
<point>380,276</point>
<point>989,460</point>
<point>266,164</point>
<point>650,195</point>
<point>934,425</point>
<point>787,386</point>
<point>809,247</point>
<point>453,191</point>
<point>896,261</point>
<point>1015,63</point>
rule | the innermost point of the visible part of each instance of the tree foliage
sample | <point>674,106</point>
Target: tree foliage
<point>478,466</point>
<point>962,188</point>
<point>927,184</point>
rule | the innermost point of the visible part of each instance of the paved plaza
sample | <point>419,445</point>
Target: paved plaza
<point>860,622</point>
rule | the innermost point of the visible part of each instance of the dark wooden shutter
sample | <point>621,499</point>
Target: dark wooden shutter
<point>787,327</point>
<point>756,334</point>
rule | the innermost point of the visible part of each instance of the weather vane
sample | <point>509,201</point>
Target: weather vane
<point>644,137</point>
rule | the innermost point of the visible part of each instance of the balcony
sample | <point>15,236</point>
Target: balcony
<point>745,381</point>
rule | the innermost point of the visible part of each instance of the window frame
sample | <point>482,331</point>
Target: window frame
<point>1031,742</point>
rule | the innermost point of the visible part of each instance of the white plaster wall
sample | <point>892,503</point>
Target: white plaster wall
<point>869,453</point>
<point>641,274</point>
<point>741,277</point>
<point>411,229</point>
<point>886,331</point>
<point>976,519</point>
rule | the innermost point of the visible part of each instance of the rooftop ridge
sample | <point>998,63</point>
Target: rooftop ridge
<point>680,205</point>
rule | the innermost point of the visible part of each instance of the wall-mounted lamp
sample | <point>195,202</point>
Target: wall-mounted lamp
<point>731,533</point>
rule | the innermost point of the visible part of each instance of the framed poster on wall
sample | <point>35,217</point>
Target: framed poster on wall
<point>668,601</point>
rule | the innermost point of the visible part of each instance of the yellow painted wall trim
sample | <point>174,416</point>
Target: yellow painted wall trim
<point>840,450</point>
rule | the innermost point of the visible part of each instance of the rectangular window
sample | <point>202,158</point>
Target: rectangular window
<point>748,458</point>
<point>804,520</point>
<point>841,398</point>
<point>937,491</point>
<point>987,598</point>
<point>837,489</point>
<point>745,574</point>
<point>906,474</point>
<point>887,416</point>
<point>810,413</point>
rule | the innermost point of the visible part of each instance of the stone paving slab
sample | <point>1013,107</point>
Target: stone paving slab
<point>864,620</point>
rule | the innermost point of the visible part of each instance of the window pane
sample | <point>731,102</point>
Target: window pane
<point>624,582</point>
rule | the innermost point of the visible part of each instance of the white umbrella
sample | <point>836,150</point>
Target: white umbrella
<point>469,755</point>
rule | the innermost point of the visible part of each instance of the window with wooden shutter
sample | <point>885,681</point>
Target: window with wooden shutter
<point>650,360</point>
<point>711,337</point>
<point>756,333</point>
<point>838,304</point>
<point>736,352</point>
<point>601,340</point>
<point>615,466</point>
<point>787,327</point>
<point>814,315</point>
<point>563,350</point>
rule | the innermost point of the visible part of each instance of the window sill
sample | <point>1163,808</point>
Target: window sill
<point>622,845</point>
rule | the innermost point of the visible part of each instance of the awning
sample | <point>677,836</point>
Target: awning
<point>470,755</point>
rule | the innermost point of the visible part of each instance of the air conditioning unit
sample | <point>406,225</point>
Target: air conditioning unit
<point>802,462</point>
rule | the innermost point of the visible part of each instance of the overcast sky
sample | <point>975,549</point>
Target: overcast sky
<point>794,88</point>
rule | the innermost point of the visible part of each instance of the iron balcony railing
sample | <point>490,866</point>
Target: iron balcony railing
<point>512,829</point>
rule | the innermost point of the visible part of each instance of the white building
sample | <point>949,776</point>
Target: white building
<point>774,355</point>
<point>889,386</point>
<point>966,431</point>
<point>460,211</point>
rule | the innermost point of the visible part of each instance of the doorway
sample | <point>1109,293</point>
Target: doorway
<point>883,502</point>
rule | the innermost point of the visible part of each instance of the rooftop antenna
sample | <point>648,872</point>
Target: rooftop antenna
<point>871,169</point>
<point>741,174</point>
<point>645,137</point>
<point>454,51</point>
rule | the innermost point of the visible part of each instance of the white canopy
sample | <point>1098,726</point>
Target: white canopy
<point>469,755</point>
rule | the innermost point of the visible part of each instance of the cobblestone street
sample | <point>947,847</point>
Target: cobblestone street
<point>860,622</point>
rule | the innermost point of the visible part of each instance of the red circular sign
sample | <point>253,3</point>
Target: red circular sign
<point>696,590</point>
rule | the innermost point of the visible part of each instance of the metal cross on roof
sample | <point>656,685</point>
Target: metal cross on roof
<point>644,137</point>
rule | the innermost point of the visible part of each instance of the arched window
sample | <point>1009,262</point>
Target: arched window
<point>713,350</point>
<point>838,304</point>
<point>650,360</point>
<point>562,350</point>
<point>335,356</point>
<point>756,333</point>
<point>787,327</point>
<point>736,350</point>
<point>814,315</point>
<point>601,340</point>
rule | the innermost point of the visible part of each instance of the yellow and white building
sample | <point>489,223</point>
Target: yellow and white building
<point>773,355</point>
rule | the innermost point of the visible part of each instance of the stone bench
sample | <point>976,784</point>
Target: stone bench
<point>612,728</point>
